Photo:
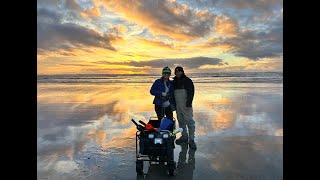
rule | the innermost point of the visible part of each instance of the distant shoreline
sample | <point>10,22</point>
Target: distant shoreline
<point>226,77</point>
<point>190,74</point>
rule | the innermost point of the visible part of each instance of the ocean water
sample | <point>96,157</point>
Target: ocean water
<point>219,77</point>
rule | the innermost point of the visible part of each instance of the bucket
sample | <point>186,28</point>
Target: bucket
<point>166,124</point>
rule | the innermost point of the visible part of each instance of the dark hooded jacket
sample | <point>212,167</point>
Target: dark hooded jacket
<point>183,82</point>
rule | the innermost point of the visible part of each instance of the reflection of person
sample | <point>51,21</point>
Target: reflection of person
<point>186,168</point>
<point>163,91</point>
<point>183,94</point>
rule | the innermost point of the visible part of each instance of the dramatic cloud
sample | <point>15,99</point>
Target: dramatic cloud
<point>164,17</point>
<point>194,62</point>
<point>226,26</point>
<point>52,34</point>
<point>258,5</point>
<point>42,3</point>
<point>253,44</point>
<point>143,35</point>
<point>73,5</point>
<point>249,4</point>
<point>118,29</point>
<point>248,12</point>
<point>91,12</point>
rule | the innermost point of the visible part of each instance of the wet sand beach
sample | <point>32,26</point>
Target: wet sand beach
<point>84,130</point>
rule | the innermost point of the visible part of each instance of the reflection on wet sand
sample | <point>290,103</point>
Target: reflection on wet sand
<point>85,132</point>
<point>186,166</point>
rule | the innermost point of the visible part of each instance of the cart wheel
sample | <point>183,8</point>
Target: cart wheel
<point>139,167</point>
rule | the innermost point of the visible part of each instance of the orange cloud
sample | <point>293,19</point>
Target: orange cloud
<point>91,12</point>
<point>117,29</point>
<point>163,17</point>
<point>226,26</point>
<point>121,28</point>
<point>158,29</point>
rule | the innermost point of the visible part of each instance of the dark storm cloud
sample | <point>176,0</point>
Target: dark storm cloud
<point>194,62</point>
<point>254,44</point>
<point>235,4</point>
<point>52,34</point>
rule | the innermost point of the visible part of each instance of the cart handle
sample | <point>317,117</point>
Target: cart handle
<point>139,127</point>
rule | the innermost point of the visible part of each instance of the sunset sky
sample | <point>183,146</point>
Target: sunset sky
<point>143,36</point>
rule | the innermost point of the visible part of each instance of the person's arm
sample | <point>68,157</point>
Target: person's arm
<point>171,91</point>
<point>190,92</point>
<point>154,90</point>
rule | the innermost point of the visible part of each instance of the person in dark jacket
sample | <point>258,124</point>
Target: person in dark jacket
<point>183,94</point>
<point>163,92</point>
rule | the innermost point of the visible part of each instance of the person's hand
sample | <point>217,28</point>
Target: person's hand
<point>163,94</point>
<point>188,104</point>
<point>166,103</point>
